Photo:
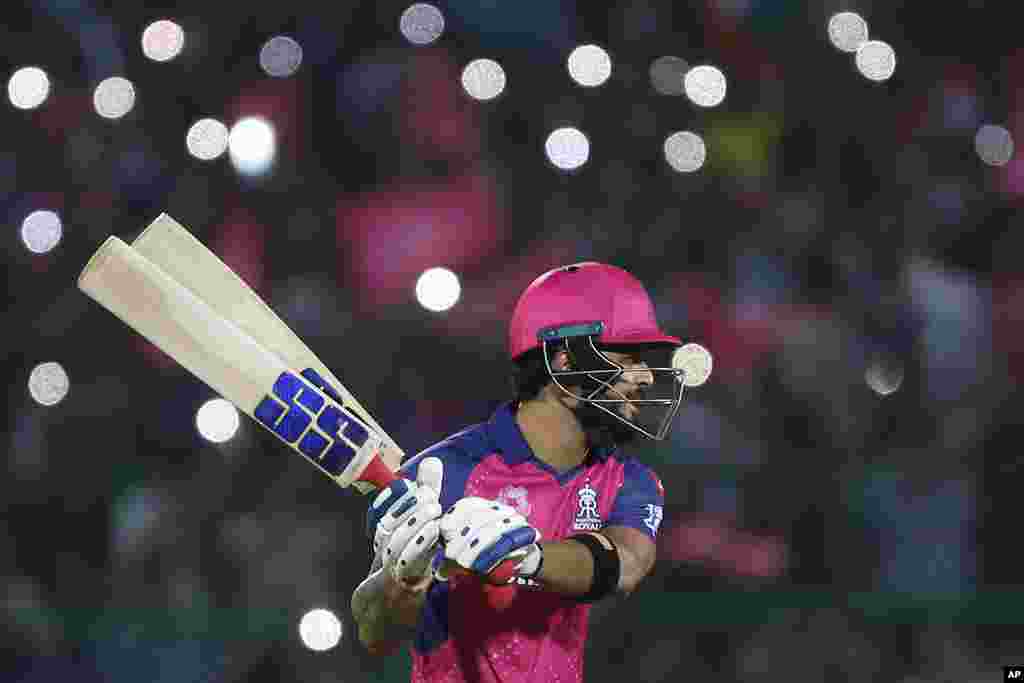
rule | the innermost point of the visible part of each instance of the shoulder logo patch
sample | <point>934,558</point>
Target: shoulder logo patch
<point>654,516</point>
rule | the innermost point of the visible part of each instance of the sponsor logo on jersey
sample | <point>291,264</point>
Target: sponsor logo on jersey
<point>587,516</point>
<point>515,498</point>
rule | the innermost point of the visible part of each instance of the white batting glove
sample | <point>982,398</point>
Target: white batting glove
<point>405,523</point>
<point>479,534</point>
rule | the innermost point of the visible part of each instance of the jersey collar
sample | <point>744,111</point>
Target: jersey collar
<point>507,438</point>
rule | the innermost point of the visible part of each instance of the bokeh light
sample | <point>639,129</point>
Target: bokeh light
<point>438,289</point>
<point>847,31</point>
<point>994,144</point>
<point>567,148</point>
<point>217,420</point>
<point>667,74</point>
<point>483,79</point>
<point>280,56</point>
<point>252,145</point>
<point>590,65</point>
<point>114,97</point>
<point>876,60</point>
<point>163,40</point>
<point>421,23</point>
<point>207,139</point>
<point>883,376</point>
<point>41,231</point>
<point>685,151</point>
<point>48,383</point>
<point>705,85</point>
<point>320,630</point>
<point>28,87</point>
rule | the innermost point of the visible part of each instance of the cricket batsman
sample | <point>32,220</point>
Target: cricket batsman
<point>542,487</point>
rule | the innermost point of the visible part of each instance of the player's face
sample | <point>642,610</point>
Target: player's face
<point>630,384</point>
<point>603,429</point>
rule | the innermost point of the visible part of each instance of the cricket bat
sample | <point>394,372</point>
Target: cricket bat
<point>295,404</point>
<point>177,252</point>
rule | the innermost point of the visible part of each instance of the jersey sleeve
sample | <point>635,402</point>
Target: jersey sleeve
<point>640,501</point>
<point>457,466</point>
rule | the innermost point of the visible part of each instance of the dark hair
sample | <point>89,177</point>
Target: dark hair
<point>529,375</point>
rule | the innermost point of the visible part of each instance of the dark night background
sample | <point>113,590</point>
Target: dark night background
<point>841,495</point>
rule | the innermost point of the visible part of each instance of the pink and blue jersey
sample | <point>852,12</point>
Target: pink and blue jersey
<point>472,632</point>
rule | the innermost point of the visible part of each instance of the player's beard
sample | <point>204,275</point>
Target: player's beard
<point>603,430</point>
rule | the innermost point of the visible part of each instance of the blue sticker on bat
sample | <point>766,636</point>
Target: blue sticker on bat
<point>316,380</point>
<point>317,428</point>
<point>354,430</point>
<point>313,445</point>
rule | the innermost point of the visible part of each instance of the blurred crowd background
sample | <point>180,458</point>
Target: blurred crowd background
<point>841,493</point>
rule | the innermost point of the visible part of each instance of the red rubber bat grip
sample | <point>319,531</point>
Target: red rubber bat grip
<point>377,474</point>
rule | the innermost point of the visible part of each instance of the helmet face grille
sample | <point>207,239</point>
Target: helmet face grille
<point>645,397</point>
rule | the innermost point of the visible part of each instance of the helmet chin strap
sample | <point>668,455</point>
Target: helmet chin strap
<point>615,372</point>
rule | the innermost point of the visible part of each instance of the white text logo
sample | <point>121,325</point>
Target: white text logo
<point>654,515</point>
<point>587,516</point>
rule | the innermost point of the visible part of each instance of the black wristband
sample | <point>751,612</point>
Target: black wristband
<point>607,567</point>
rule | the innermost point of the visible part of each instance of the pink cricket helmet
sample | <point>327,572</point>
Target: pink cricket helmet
<point>589,293</point>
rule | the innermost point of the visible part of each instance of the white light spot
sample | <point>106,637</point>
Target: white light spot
<point>685,151</point>
<point>280,56</point>
<point>567,148</point>
<point>163,40</point>
<point>483,79</point>
<point>590,65</point>
<point>438,289</point>
<point>421,23</point>
<point>217,420</point>
<point>114,97</point>
<point>252,146</point>
<point>667,75</point>
<point>320,630</point>
<point>876,60</point>
<point>48,383</point>
<point>207,139</point>
<point>847,31</point>
<point>695,362</point>
<point>28,87</point>
<point>705,85</point>
<point>994,144</point>
<point>884,378</point>
<point>41,231</point>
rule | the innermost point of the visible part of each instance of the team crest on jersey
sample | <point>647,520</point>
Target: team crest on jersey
<point>515,498</point>
<point>587,516</point>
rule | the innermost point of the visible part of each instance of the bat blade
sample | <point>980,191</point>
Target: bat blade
<point>298,407</point>
<point>176,251</point>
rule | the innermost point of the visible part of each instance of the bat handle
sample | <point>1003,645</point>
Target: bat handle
<point>379,475</point>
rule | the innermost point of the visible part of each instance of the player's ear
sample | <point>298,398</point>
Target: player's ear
<point>561,361</point>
